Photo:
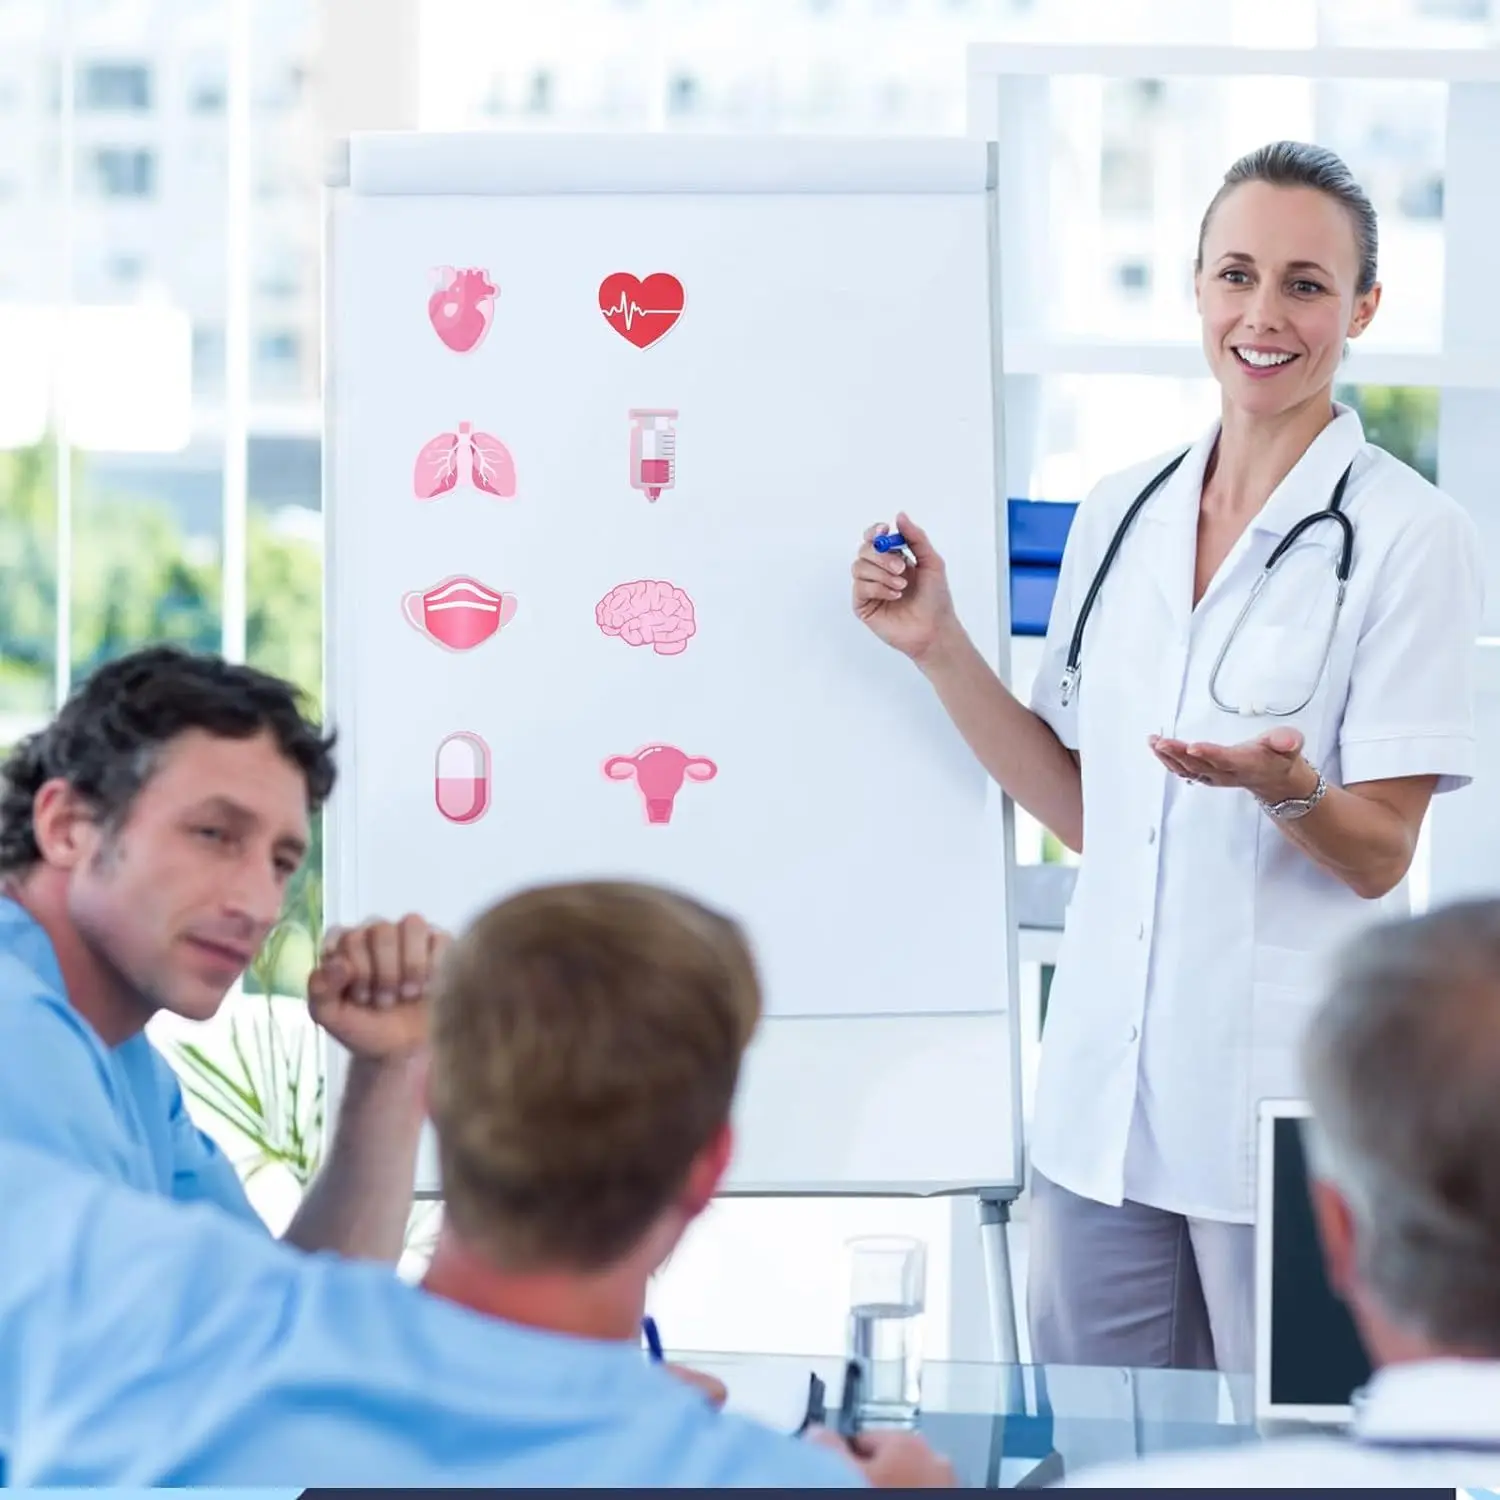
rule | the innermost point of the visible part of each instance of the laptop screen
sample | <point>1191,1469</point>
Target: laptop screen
<point>1309,1359</point>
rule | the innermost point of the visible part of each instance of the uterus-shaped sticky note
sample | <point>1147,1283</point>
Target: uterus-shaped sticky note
<point>444,458</point>
<point>659,771</point>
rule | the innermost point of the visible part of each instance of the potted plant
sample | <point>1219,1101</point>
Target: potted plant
<point>271,1089</point>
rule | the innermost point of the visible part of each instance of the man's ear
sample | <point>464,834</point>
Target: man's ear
<point>64,825</point>
<point>1338,1234</point>
<point>707,1172</point>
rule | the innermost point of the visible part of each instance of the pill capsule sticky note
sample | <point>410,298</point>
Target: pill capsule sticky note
<point>462,783</point>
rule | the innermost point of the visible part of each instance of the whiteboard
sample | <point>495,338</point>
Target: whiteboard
<point>638,628</point>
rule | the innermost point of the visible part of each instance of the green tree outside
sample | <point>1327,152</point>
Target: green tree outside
<point>1402,419</point>
<point>28,578</point>
<point>137,579</point>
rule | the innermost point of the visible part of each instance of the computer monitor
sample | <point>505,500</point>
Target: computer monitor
<point>1308,1359</point>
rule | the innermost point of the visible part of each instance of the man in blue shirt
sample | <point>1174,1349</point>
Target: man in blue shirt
<point>145,1343</point>
<point>586,1046</point>
<point>147,839</point>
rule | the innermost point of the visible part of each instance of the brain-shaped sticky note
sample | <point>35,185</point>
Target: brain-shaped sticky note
<point>648,612</point>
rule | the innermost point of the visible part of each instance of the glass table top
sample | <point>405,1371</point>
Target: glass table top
<point>1004,1426</point>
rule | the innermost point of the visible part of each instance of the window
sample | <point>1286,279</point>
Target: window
<point>1422,196</point>
<point>1455,10</point>
<point>1125,180</point>
<point>278,357</point>
<point>283,344</point>
<point>125,270</point>
<point>281,89</point>
<point>108,88</point>
<point>49,163</point>
<point>539,95</point>
<point>208,357</point>
<point>280,274</point>
<point>207,86</point>
<point>891,99</point>
<point>123,172</point>
<point>682,94</point>
<point>274,179</point>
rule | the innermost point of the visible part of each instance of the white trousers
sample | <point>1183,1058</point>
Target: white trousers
<point>1137,1287</point>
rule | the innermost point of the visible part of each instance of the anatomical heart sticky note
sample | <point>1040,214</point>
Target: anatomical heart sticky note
<point>463,307</point>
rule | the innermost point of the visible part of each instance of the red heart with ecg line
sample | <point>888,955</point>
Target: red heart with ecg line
<point>641,310</point>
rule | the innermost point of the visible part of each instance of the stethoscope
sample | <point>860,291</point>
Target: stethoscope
<point>1333,511</point>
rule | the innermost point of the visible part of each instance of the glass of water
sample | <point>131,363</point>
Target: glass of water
<point>887,1303</point>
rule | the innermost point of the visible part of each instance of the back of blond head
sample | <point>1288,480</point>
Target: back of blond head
<point>587,1041</point>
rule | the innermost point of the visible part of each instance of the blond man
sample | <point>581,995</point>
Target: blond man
<point>586,1045</point>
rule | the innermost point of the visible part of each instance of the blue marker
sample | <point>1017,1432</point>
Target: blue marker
<point>653,1339</point>
<point>889,542</point>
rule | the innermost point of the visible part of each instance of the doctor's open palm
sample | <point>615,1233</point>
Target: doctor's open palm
<point>908,607</point>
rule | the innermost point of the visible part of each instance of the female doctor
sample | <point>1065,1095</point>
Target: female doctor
<point>1244,758</point>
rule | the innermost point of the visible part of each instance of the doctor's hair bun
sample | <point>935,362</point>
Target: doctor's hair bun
<point>106,739</point>
<point>1297,164</point>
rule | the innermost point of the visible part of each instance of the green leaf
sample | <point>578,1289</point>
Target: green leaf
<point>211,1071</point>
<point>253,1097</point>
<point>266,1104</point>
<point>247,1125</point>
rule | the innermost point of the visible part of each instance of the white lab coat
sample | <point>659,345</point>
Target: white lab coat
<point>1190,959</point>
<point>1423,1425</point>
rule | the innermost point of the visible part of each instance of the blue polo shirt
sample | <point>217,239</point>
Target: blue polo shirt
<point>117,1111</point>
<point>145,1343</point>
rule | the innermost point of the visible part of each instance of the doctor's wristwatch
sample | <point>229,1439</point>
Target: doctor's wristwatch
<point>1297,807</point>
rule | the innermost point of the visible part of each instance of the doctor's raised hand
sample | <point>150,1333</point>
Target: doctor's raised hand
<point>906,603</point>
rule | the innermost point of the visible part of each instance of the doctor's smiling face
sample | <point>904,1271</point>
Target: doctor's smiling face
<point>1286,274</point>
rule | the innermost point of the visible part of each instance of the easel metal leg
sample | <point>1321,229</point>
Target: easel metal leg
<point>994,1221</point>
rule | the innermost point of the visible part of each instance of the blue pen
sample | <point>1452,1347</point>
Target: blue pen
<point>653,1339</point>
<point>889,542</point>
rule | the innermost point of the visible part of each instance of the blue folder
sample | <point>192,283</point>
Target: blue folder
<point>1038,532</point>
